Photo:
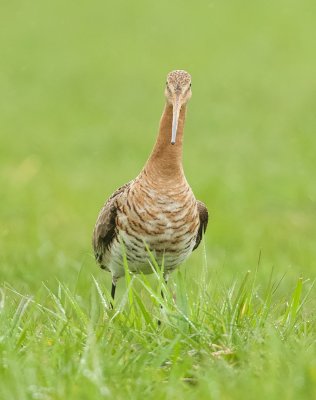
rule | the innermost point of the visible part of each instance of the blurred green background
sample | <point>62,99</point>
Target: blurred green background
<point>81,96</point>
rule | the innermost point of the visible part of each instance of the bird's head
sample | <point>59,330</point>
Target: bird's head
<point>178,93</point>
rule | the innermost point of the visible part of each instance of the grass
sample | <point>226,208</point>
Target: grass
<point>81,96</point>
<point>213,342</point>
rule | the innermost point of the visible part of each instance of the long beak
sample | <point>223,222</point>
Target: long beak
<point>175,119</point>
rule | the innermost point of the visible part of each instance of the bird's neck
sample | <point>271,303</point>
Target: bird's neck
<point>165,161</point>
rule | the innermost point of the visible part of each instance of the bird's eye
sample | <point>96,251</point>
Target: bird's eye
<point>190,84</point>
<point>167,83</point>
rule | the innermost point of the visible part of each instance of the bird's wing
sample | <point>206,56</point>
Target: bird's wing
<point>105,227</point>
<point>203,215</point>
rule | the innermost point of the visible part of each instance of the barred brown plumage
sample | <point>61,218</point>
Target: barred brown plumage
<point>156,210</point>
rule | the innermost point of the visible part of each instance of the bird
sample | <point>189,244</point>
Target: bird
<point>156,211</point>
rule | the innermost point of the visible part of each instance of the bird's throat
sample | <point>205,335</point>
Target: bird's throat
<point>165,160</point>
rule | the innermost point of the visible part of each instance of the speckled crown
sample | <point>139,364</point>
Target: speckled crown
<point>178,77</point>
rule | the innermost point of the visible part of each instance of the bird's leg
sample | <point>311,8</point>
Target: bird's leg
<point>166,276</point>
<point>114,281</point>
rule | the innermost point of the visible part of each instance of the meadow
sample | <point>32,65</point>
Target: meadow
<point>81,96</point>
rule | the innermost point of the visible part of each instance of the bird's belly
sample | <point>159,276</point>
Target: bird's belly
<point>168,237</point>
<point>140,256</point>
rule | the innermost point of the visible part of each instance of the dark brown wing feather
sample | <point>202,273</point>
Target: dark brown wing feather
<point>105,227</point>
<point>203,214</point>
